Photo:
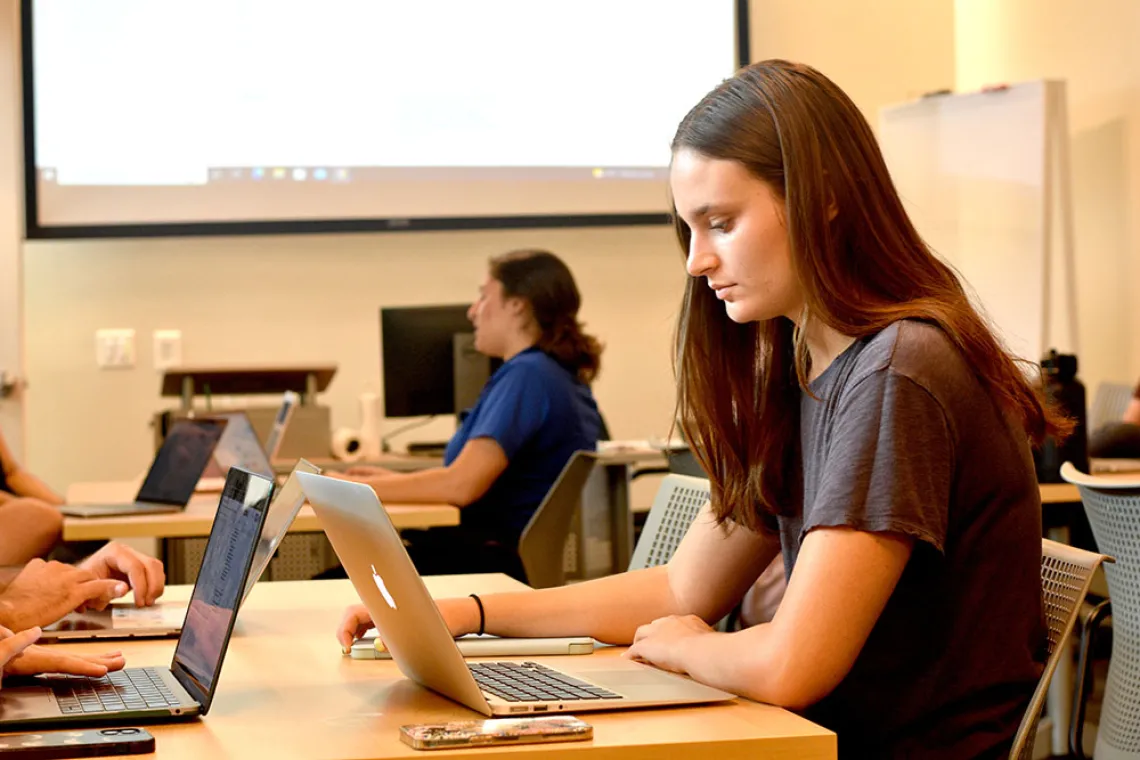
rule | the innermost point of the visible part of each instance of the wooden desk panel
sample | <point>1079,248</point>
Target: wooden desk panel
<point>286,691</point>
<point>196,519</point>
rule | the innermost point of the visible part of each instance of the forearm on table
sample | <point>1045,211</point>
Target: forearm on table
<point>608,609</point>
<point>439,485</point>
<point>24,483</point>
<point>745,662</point>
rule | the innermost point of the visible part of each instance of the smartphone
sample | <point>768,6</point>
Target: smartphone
<point>483,733</point>
<point>92,742</point>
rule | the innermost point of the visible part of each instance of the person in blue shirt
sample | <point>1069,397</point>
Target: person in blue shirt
<point>535,411</point>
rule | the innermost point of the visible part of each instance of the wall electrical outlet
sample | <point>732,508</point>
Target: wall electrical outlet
<point>167,349</point>
<point>115,348</point>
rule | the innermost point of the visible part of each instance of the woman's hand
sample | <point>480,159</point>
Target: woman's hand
<point>460,614</point>
<point>664,642</point>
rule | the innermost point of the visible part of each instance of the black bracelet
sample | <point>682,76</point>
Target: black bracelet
<point>482,618</point>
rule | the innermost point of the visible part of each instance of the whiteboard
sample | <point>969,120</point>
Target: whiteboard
<point>982,176</point>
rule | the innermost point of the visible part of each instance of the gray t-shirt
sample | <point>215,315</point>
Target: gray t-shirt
<point>904,439</point>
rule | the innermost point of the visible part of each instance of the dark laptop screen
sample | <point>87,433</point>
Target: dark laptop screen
<point>180,461</point>
<point>221,580</point>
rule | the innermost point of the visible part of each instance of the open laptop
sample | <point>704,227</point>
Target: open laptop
<point>186,688</point>
<point>169,484</point>
<point>239,446</point>
<point>165,618</point>
<point>414,632</point>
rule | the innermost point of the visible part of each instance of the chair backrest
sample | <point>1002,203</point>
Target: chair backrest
<point>676,505</point>
<point>1066,573</point>
<point>1109,403</point>
<point>1112,503</point>
<point>543,540</point>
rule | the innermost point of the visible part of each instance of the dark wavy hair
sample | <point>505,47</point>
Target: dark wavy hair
<point>739,384</point>
<point>542,280</point>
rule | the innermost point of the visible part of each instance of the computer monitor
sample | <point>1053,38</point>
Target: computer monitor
<point>429,362</point>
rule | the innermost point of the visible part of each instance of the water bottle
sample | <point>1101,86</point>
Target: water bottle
<point>1059,376</point>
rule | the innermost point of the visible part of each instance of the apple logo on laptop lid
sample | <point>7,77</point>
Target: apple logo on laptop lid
<point>383,589</point>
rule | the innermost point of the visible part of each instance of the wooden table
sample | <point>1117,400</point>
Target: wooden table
<point>181,536</point>
<point>286,691</point>
<point>196,519</point>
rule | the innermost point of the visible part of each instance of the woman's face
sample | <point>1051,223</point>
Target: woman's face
<point>739,239</point>
<point>494,317</point>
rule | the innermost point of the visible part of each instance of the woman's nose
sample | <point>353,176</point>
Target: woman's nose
<point>701,260</point>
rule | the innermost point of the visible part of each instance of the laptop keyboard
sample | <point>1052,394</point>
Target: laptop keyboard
<point>134,689</point>
<point>531,682</point>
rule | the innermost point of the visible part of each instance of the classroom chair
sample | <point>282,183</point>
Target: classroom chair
<point>543,540</point>
<point>1066,574</point>
<point>675,506</point>
<point>1113,508</point>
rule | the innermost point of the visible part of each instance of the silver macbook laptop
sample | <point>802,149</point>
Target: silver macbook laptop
<point>371,647</point>
<point>414,632</point>
<point>239,446</point>
<point>170,482</point>
<point>187,687</point>
<point>165,618</point>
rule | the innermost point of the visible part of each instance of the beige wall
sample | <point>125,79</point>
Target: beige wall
<point>1091,45</point>
<point>879,51</point>
<point>315,298</point>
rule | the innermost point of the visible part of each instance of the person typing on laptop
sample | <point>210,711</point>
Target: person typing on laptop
<point>40,593</point>
<point>532,415</point>
<point>854,413</point>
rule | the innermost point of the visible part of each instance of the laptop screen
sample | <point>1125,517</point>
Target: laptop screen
<point>221,580</point>
<point>240,447</point>
<point>180,461</point>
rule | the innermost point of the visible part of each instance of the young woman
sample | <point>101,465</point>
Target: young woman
<point>30,524</point>
<point>532,415</point>
<point>854,412</point>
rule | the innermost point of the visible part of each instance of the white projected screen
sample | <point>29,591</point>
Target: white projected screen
<point>180,111</point>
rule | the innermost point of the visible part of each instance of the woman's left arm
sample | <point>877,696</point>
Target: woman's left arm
<point>479,464</point>
<point>842,581</point>
<point>23,483</point>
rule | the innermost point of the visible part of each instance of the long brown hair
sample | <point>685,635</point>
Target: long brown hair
<point>860,270</point>
<point>542,280</point>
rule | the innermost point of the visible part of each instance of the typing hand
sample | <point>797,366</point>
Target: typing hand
<point>663,642</point>
<point>11,644</point>
<point>460,614</point>
<point>36,659</point>
<point>353,625</point>
<point>44,592</point>
<point>120,562</point>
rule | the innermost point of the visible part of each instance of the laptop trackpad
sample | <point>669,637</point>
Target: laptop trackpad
<point>26,702</point>
<point>643,684</point>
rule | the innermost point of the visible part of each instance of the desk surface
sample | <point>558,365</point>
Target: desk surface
<point>406,462</point>
<point>1067,493</point>
<point>286,686</point>
<point>196,519</point>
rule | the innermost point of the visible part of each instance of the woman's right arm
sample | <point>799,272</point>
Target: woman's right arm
<point>711,570</point>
